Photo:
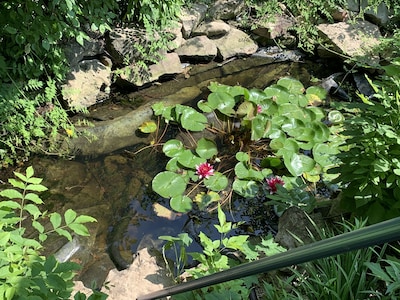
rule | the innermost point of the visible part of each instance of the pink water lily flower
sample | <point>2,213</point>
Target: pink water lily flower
<point>272,182</point>
<point>259,109</point>
<point>204,170</point>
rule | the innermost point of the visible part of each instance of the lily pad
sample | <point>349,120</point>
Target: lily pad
<point>206,148</point>
<point>181,203</point>
<point>292,85</point>
<point>168,184</point>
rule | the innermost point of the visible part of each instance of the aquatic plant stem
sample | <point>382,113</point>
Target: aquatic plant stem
<point>377,234</point>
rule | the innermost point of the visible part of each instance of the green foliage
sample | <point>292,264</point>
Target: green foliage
<point>32,120</point>
<point>343,276</point>
<point>33,63</point>
<point>33,31</point>
<point>279,117</point>
<point>307,15</point>
<point>294,196</point>
<point>152,13</point>
<point>24,273</point>
<point>387,270</point>
<point>217,256</point>
<point>370,170</point>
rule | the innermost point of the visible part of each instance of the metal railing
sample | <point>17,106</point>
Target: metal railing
<point>384,232</point>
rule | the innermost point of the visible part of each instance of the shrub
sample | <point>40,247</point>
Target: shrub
<point>370,170</point>
<point>344,276</point>
<point>24,273</point>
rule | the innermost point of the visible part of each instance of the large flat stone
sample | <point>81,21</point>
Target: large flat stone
<point>351,39</point>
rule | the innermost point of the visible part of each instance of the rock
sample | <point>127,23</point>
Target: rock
<point>169,65</point>
<point>142,277</point>
<point>121,132</point>
<point>199,49</point>
<point>226,9</point>
<point>350,39</point>
<point>212,29</point>
<point>191,18</point>
<point>75,53</point>
<point>235,43</point>
<point>295,225</point>
<point>277,27</point>
<point>88,85</point>
<point>79,287</point>
<point>176,31</point>
<point>121,44</point>
<point>379,16</point>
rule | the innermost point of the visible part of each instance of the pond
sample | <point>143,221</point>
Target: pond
<point>115,187</point>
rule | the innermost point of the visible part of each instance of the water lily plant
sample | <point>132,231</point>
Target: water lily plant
<point>257,133</point>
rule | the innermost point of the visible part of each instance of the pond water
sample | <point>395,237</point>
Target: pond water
<point>115,188</point>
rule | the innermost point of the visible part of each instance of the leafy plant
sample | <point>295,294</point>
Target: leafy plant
<point>387,270</point>
<point>217,255</point>
<point>294,196</point>
<point>33,120</point>
<point>33,64</point>
<point>257,131</point>
<point>343,276</point>
<point>369,171</point>
<point>24,273</point>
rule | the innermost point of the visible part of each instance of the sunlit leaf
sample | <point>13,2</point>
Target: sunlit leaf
<point>335,117</point>
<point>292,85</point>
<point>55,219</point>
<point>69,216</point>
<point>11,194</point>
<point>168,184</point>
<point>193,120</point>
<point>181,203</point>
<point>206,148</point>
<point>217,182</point>
<point>148,127</point>
<point>36,187</point>
<point>173,148</point>
<point>297,164</point>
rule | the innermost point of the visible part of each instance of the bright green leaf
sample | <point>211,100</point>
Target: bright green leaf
<point>168,184</point>
<point>217,182</point>
<point>206,148</point>
<point>69,216</point>
<point>181,203</point>
<point>173,148</point>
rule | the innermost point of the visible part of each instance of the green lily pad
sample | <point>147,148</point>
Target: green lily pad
<point>245,188</point>
<point>217,182</point>
<point>292,85</point>
<point>168,184</point>
<point>187,159</point>
<point>297,164</point>
<point>222,102</point>
<point>181,203</point>
<point>193,120</point>
<point>206,148</point>
<point>173,148</point>
<point>242,156</point>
